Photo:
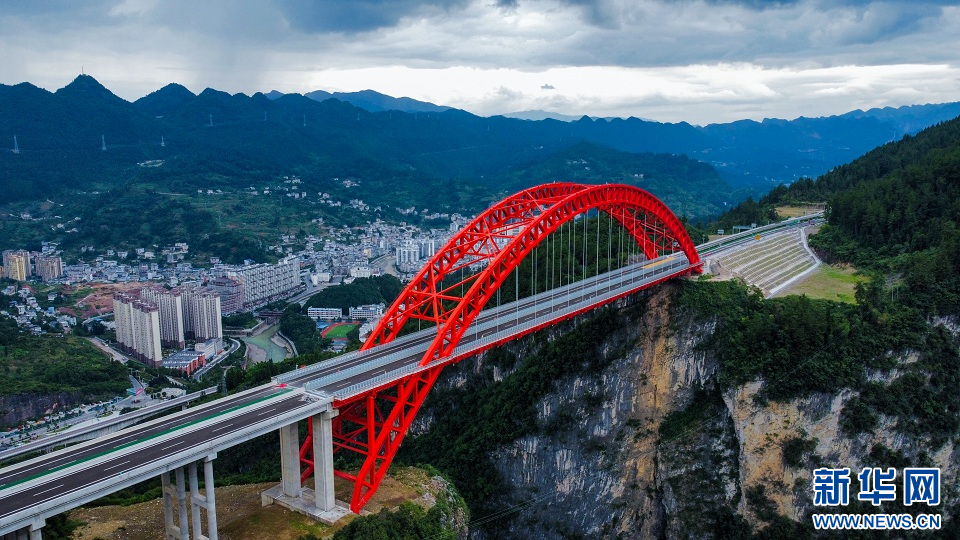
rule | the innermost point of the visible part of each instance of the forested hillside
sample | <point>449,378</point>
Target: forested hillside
<point>42,372</point>
<point>896,210</point>
<point>212,169</point>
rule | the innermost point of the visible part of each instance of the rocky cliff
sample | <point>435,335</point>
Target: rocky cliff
<point>19,407</point>
<point>642,440</point>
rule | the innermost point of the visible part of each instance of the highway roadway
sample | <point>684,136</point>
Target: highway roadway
<point>134,454</point>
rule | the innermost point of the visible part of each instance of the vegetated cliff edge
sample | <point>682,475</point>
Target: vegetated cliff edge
<point>639,422</point>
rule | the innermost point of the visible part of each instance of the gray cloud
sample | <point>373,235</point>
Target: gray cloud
<point>883,21</point>
<point>355,15</point>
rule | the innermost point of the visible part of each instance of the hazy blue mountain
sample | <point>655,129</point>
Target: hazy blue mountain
<point>370,100</point>
<point>547,115</point>
<point>319,95</point>
<point>542,115</point>
<point>165,100</point>
<point>376,102</point>
<point>911,119</point>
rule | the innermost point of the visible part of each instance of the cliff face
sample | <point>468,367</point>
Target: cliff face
<point>650,447</point>
<point>19,407</point>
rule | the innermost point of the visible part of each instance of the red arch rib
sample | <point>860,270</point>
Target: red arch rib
<point>498,239</point>
<point>653,226</point>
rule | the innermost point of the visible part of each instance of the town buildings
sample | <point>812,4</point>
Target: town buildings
<point>371,311</point>
<point>181,313</point>
<point>170,305</point>
<point>261,284</point>
<point>20,264</point>
<point>230,291</point>
<point>202,314</point>
<point>324,314</point>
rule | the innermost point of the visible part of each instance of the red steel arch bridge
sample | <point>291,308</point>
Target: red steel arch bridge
<point>461,278</point>
<point>364,402</point>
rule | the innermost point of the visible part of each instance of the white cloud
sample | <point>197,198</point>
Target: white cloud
<point>699,93</point>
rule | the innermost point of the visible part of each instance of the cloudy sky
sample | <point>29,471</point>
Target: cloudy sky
<point>701,61</point>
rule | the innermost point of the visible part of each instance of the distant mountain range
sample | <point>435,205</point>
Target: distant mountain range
<point>370,100</point>
<point>547,115</point>
<point>235,138</point>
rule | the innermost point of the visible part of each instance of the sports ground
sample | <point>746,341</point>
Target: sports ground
<point>339,330</point>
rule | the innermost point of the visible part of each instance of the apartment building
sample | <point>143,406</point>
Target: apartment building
<point>138,327</point>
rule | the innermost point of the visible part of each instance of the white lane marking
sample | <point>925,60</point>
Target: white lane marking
<point>46,490</point>
<point>221,428</point>
<point>117,465</point>
<point>176,443</point>
<point>88,466</point>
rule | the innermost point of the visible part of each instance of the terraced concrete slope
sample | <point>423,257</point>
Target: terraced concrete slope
<point>771,263</point>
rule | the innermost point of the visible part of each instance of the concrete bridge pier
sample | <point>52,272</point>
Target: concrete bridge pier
<point>191,505</point>
<point>320,502</point>
<point>27,533</point>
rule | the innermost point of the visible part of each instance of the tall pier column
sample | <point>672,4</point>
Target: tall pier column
<point>182,500</point>
<point>194,494</point>
<point>195,501</point>
<point>172,530</point>
<point>323,461</point>
<point>319,503</point>
<point>290,460</point>
<point>210,497</point>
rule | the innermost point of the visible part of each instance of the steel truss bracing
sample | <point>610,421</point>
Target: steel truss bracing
<point>455,285</point>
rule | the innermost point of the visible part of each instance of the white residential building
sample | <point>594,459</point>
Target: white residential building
<point>324,314</point>
<point>202,314</point>
<point>371,311</point>
<point>138,327</point>
<point>170,304</point>
<point>263,283</point>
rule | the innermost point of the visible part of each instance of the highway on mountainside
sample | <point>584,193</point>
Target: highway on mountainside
<point>84,472</point>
